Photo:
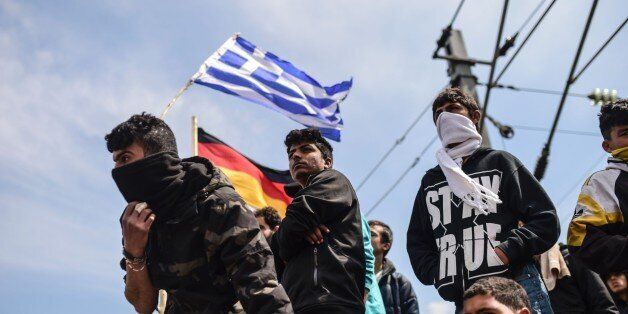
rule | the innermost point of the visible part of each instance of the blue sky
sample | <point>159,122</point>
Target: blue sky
<point>72,70</point>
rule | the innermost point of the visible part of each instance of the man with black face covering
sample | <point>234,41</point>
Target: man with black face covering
<point>186,230</point>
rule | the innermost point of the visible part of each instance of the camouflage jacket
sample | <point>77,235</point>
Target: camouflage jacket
<point>214,255</point>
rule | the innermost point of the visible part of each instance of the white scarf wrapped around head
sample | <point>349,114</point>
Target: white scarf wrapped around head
<point>457,129</point>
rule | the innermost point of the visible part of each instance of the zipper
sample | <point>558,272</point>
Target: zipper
<point>315,266</point>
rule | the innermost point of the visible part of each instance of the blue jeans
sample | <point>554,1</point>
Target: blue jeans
<point>530,280</point>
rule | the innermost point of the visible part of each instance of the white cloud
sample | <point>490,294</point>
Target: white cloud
<point>441,307</point>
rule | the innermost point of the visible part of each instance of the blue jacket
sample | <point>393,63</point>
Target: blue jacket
<point>374,303</point>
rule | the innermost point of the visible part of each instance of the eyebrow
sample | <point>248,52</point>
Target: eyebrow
<point>116,157</point>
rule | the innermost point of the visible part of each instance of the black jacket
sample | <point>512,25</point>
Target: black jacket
<point>397,293</point>
<point>451,245</point>
<point>582,292</point>
<point>330,274</point>
<point>205,247</point>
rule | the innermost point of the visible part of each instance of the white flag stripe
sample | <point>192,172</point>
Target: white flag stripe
<point>247,93</point>
<point>245,73</point>
<point>307,88</point>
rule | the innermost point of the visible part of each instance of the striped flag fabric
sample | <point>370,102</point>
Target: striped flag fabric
<point>241,69</point>
<point>258,185</point>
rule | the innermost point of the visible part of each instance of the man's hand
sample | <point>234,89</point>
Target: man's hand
<point>136,222</point>
<point>502,256</point>
<point>316,236</point>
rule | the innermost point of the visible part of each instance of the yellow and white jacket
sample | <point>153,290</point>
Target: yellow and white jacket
<point>598,232</point>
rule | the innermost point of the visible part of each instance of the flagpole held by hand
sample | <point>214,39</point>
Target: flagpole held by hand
<point>176,97</point>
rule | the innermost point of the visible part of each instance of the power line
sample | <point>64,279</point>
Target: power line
<point>453,18</point>
<point>397,142</point>
<point>601,48</point>
<point>541,164</point>
<point>535,90</point>
<point>578,183</point>
<point>403,175</point>
<point>527,20</point>
<point>573,132</point>
<point>525,40</point>
<point>496,55</point>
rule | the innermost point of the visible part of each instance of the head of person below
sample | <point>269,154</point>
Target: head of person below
<point>269,220</point>
<point>464,224</point>
<point>618,284</point>
<point>320,237</point>
<point>185,229</point>
<point>496,295</point>
<point>397,293</point>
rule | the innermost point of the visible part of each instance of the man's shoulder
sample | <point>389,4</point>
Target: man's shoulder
<point>330,175</point>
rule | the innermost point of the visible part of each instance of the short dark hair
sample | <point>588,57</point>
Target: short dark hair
<point>506,291</point>
<point>309,135</point>
<point>452,95</point>
<point>271,216</point>
<point>150,132</point>
<point>387,235</point>
<point>613,114</point>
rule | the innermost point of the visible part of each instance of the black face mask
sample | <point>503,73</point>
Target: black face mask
<point>162,180</point>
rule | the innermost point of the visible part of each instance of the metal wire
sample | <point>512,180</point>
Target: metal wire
<point>600,50</point>
<point>403,175</point>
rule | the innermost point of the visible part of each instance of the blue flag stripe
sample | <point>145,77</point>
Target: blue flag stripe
<point>280,101</point>
<point>241,69</point>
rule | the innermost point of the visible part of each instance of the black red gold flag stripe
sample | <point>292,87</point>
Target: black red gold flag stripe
<point>258,185</point>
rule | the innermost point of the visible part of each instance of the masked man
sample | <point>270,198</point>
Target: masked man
<point>464,223</point>
<point>186,230</point>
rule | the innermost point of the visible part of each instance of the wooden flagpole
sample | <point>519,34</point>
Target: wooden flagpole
<point>176,97</point>
<point>194,136</point>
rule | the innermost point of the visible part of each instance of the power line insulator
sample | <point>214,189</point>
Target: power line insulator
<point>506,131</point>
<point>510,42</point>
<point>602,96</point>
<point>541,164</point>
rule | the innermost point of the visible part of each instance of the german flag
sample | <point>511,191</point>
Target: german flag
<point>258,185</point>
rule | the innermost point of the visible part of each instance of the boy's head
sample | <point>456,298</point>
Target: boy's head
<point>381,237</point>
<point>308,153</point>
<point>454,100</point>
<point>617,282</point>
<point>139,136</point>
<point>614,125</point>
<point>496,295</point>
<point>269,220</point>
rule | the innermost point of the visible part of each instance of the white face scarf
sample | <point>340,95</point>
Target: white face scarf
<point>452,129</point>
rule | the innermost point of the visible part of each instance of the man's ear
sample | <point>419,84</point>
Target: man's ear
<point>524,310</point>
<point>329,163</point>
<point>276,228</point>
<point>476,115</point>
<point>607,146</point>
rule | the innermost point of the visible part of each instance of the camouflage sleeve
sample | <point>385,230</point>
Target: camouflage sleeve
<point>249,261</point>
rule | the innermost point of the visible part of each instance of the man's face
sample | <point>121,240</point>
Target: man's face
<point>305,160</point>
<point>128,155</point>
<point>457,108</point>
<point>617,283</point>
<point>379,247</point>
<point>619,138</point>
<point>264,227</point>
<point>486,304</point>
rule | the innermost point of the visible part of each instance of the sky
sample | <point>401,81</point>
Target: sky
<point>70,71</point>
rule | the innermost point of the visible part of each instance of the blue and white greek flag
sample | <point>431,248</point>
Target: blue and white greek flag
<point>241,69</point>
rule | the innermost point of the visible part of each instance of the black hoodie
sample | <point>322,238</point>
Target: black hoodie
<point>328,276</point>
<point>451,245</point>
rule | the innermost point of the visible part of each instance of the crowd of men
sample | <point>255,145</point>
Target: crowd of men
<point>483,231</point>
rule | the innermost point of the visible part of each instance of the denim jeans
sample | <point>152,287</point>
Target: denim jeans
<point>530,280</point>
